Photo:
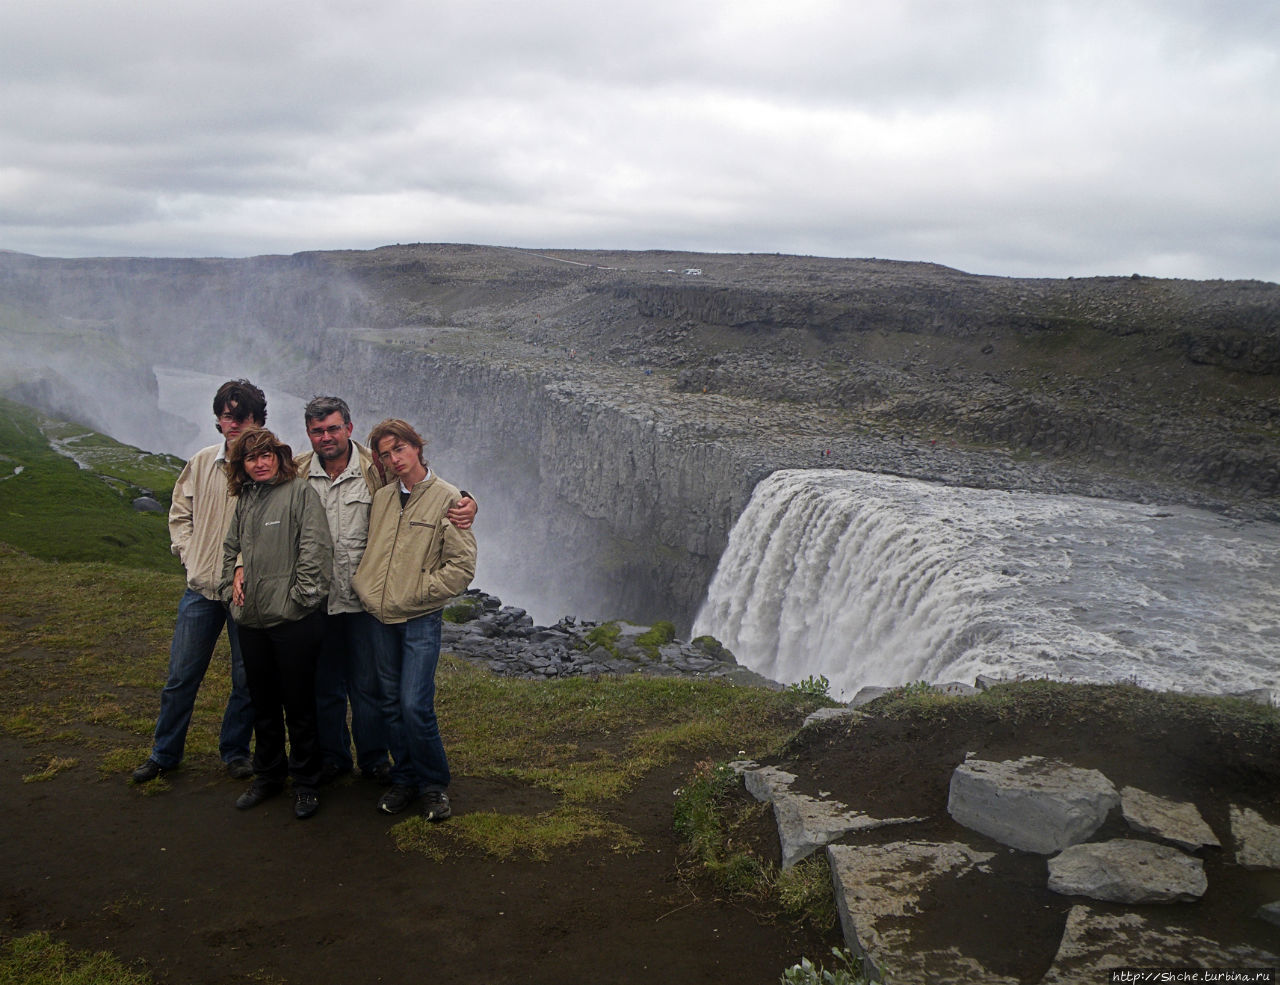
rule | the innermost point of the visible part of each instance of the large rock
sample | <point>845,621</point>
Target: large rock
<point>1174,821</point>
<point>1257,842</point>
<point>1122,871</point>
<point>1032,804</point>
<point>878,890</point>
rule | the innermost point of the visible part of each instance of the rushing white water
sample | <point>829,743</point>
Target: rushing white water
<point>873,579</point>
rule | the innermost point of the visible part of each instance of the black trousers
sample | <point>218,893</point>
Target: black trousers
<point>280,664</point>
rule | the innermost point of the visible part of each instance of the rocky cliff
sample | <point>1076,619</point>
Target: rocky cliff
<point>613,411</point>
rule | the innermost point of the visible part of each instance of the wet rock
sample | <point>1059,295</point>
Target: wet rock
<point>1122,871</point>
<point>1174,821</point>
<point>1257,842</point>
<point>1032,804</point>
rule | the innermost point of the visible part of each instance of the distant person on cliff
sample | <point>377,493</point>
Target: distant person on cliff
<point>277,560</point>
<point>344,475</point>
<point>198,521</point>
<point>415,561</point>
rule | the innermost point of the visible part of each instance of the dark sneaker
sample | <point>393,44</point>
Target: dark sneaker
<point>397,798</point>
<point>380,774</point>
<point>256,794</point>
<point>435,806</point>
<point>239,769</point>
<point>148,771</point>
<point>305,804</point>
<point>331,771</point>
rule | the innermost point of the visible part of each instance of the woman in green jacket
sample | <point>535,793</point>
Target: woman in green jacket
<point>277,561</point>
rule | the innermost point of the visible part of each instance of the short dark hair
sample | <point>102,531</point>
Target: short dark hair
<point>255,441</point>
<point>321,407</point>
<point>241,399</point>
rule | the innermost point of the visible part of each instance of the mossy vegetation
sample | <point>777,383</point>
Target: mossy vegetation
<point>38,959</point>
<point>659,634</point>
<point>715,820</point>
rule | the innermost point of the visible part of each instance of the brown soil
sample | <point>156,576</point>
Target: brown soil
<point>199,892</point>
<point>1007,919</point>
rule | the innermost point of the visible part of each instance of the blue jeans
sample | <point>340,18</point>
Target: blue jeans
<point>346,670</point>
<point>406,655</point>
<point>200,622</point>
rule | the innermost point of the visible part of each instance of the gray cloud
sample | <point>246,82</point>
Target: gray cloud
<point>1001,137</point>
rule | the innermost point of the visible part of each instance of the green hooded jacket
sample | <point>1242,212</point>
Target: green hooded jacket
<point>280,534</point>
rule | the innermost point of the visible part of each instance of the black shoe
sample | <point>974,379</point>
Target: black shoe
<point>148,771</point>
<point>305,803</point>
<point>239,769</point>
<point>435,806</point>
<point>256,794</point>
<point>331,771</point>
<point>380,774</point>
<point>397,798</point>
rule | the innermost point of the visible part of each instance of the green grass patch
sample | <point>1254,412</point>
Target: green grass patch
<point>659,634</point>
<point>714,821</point>
<point>38,959</point>
<point>1036,701</point>
<point>593,739</point>
<point>507,835</point>
<point>52,508</point>
<point>605,635</point>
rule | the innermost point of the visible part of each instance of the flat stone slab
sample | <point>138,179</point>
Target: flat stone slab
<point>1256,840</point>
<point>765,783</point>
<point>876,886</point>
<point>1032,804</point>
<point>806,824</point>
<point>1123,871</point>
<point>1094,943</point>
<point>1175,821</point>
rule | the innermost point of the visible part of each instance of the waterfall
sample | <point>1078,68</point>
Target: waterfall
<point>874,579</point>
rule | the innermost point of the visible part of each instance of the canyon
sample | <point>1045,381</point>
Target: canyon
<point>613,411</point>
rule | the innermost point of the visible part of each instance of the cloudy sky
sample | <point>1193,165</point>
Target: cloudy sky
<point>1027,137</point>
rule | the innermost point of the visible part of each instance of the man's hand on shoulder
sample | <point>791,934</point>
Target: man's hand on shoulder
<point>462,513</point>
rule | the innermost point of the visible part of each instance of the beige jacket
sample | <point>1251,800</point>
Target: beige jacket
<point>416,560</point>
<point>199,517</point>
<point>346,499</point>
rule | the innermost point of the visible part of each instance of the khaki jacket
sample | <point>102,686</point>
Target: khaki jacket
<point>346,500</point>
<point>279,533</point>
<point>198,517</point>
<point>416,560</point>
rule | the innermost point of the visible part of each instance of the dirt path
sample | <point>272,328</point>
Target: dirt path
<point>203,893</point>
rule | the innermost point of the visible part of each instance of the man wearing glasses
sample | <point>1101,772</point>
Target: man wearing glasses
<point>344,475</point>
<point>198,519</point>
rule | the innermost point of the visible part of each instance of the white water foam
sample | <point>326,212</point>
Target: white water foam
<point>874,579</point>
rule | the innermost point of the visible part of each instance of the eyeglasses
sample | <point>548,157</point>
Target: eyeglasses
<point>331,431</point>
<point>394,450</point>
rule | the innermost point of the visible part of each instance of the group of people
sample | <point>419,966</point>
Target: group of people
<point>329,572</point>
